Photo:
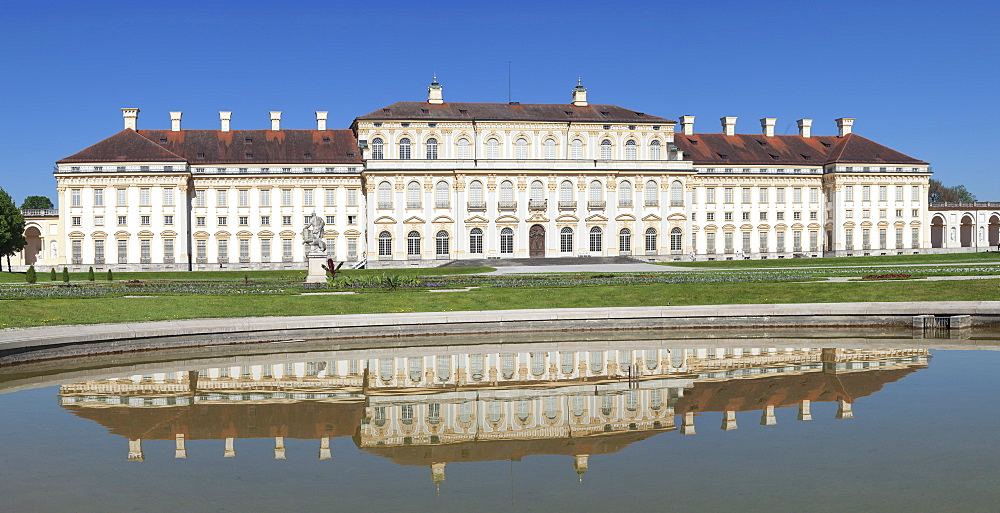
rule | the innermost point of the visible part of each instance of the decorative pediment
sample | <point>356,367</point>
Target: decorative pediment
<point>98,235</point>
<point>352,233</point>
<point>746,227</point>
<point>567,218</point>
<point>763,227</point>
<point>243,234</point>
<point>385,220</point>
<point>197,235</point>
<point>144,234</point>
<point>287,234</point>
<point>443,219</point>
<point>597,218</point>
<point>729,227</point>
<point>331,233</point>
<point>164,233</point>
<point>676,217</point>
<point>222,235</point>
<point>652,218</point>
<point>537,218</point>
<point>797,226</point>
<point>814,226</point>
<point>414,220</point>
<point>506,219</point>
<point>477,220</point>
<point>265,233</point>
<point>76,235</point>
<point>625,218</point>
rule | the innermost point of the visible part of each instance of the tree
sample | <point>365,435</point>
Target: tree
<point>37,202</point>
<point>90,273</point>
<point>937,191</point>
<point>66,274</point>
<point>31,276</point>
<point>110,276</point>
<point>11,228</point>
<point>52,274</point>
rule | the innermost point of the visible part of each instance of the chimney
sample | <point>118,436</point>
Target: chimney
<point>175,121</point>
<point>844,126</point>
<point>767,126</point>
<point>224,117</point>
<point>687,125</point>
<point>728,125</point>
<point>435,95</point>
<point>805,127</point>
<point>131,117</point>
<point>579,94</point>
<point>321,119</point>
<point>275,120</point>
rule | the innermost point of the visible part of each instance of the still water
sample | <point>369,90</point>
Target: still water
<point>568,426</point>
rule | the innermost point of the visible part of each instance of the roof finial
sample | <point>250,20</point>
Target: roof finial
<point>579,80</point>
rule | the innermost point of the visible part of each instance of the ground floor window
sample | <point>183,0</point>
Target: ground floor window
<point>122,251</point>
<point>625,241</point>
<point>507,241</point>
<point>915,237</point>
<point>223,251</point>
<point>675,240</point>
<point>413,245</point>
<point>566,240</point>
<point>596,239</point>
<point>650,241</point>
<point>77,252</point>
<point>331,248</point>
<point>476,241</point>
<point>797,240</point>
<point>849,239</point>
<point>813,241</point>
<point>728,237</point>
<point>881,238</point>
<point>98,251</point>
<point>244,250</point>
<point>763,242</point>
<point>710,243</point>
<point>201,253</point>
<point>144,251</point>
<point>781,242</point>
<point>385,245</point>
<point>286,250</point>
<point>168,251</point>
<point>352,249</point>
<point>265,250</point>
<point>866,238</point>
<point>441,243</point>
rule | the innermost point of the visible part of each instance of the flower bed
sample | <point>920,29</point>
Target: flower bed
<point>894,276</point>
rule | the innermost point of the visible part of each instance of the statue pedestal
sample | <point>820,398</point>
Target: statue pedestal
<point>316,272</point>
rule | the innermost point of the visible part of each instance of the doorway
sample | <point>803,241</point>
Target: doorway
<point>536,241</point>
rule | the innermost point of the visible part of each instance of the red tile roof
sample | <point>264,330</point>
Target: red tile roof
<point>511,112</point>
<point>783,150</point>
<point>245,147</point>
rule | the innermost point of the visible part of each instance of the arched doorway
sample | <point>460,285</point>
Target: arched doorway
<point>937,232</point>
<point>967,234</point>
<point>994,230</point>
<point>33,249</point>
<point>536,241</point>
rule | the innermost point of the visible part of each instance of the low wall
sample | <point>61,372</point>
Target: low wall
<point>19,345</point>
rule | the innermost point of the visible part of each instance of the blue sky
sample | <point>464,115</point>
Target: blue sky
<point>920,77</point>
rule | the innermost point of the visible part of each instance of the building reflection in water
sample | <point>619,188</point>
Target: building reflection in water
<point>434,410</point>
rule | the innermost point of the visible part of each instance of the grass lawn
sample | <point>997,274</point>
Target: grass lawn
<point>237,276</point>
<point>53,311</point>
<point>991,257</point>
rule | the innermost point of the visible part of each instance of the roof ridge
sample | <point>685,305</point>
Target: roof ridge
<point>156,152</point>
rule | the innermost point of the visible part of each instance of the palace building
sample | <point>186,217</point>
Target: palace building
<point>420,183</point>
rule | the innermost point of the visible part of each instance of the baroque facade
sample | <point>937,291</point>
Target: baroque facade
<point>418,183</point>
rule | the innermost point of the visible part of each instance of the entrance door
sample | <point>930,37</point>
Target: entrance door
<point>536,242</point>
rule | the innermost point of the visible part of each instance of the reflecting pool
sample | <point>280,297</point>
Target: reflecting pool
<point>769,425</point>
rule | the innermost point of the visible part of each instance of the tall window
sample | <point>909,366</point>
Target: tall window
<point>537,191</point>
<point>244,250</point>
<point>413,194</point>
<point>122,251</point>
<point>286,250</point>
<point>492,148</point>
<point>378,149</point>
<point>676,194</point>
<point>385,195</point>
<point>763,194</point>
<point>476,193</point>
<point>99,197</point>
<point>650,190</point>
<point>630,150</point>
<point>221,197</point>
<point>566,240</point>
<point>596,194</point>
<point>99,251</point>
<point>441,244</point>
<point>223,251</point>
<point>385,244</point>
<point>606,149</point>
<point>463,148</point>
<point>507,241</point>
<point>882,193</point>
<point>413,245</point>
<point>75,197</point>
<point>650,241</point>
<point>442,194</point>
<point>675,240</point>
<point>596,239</point>
<point>566,193</point>
<point>404,148</point>
<point>576,149</point>
<point>307,197</point>
<point>432,149</point>
<point>521,149</point>
<point>763,241</point>
<point>654,150</point>
<point>476,241</point>
<point>123,198</point>
<point>549,147</point>
<point>625,194</point>
<point>265,198</point>
<point>286,197</point>
<point>625,241</point>
<point>506,194</point>
<point>244,198</point>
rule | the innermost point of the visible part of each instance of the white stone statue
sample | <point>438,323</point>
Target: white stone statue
<point>313,235</point>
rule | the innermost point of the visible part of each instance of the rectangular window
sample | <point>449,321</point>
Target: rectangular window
<point>286,220</point>
<point>98,220</point>
<point>915,213</point>
<point>221,198</point>
<point>866,214</point>
<point>145,256</point>
<point>168,220</point>
<point>99,251</point>
<point>848,213</point>
<point>144,220</point>
<point>201,251</point>
<point>813,215</point>
<point>899,212</point>
<point>882,193</point>
<point>746,216</point>
<point>728,194</point>
<point>746,242</point>
<point>307,197</point>
<point>796,216</point>
<point>352,219</point>
<point>728,216</point>
<point>866,238</point>
<point>122,251</point>
<point>265,250</point>
<point>168,251</point>
<point>286,250</point>
<point>866,193</point>
<point>899,193</point>
<point>244,251</point>
<point>331,219</point>
<point>915,193</point>
<point>331,197</point>
<point>780,242</point>
<point>265,220</point>
<point>199,198</point>
<point>122,197</point>
<point>244,197</point>
<point>813,241</point>
<point>899,238</point>
<point>915,237</point>
<point>122,220</point>
<point>710,243</point>
<point>168,196</point>
<point>763,194</point>
<point>286,197</point>
<point>849,239</point>
<point>763,216</point>
<point>710,195</point>
<point>265,198</point>
<point>780,195</point>
<point>352,197</point>
<point>77,220</point>
<point>881,214</point>
<point>74,195</point>
<point>881,238</point>
<point>813,195</point>
<point>244,220</point>
<point>98,197</point>
<point>797,195</point>
<point>746,195</point>
<point>797,240</point>
<point>728,240</point>
<point>144,197</point>
<point>780,216</point>
<point>763,242</point>
<point>849,193</point>
<point>352,249</point>
<point>199,221</point>
<point>223,221</point>
<point>223,251</point>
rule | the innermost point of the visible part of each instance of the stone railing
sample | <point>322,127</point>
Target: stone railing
<point>965,204</point>
<point>40,212</point>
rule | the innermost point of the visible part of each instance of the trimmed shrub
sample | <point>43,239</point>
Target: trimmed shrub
<point>30,276</point>
<point>52,274</point>
<point>66,274</point>
<point>110,276</point>
<point>90,273</point>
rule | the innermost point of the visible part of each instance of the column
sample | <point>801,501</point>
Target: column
<point>279,448</point>
<point>844,410</point>
<point>230,450</point>
<point>687,427</point>
<point>767,418</point>
<point>324,448</point>
<point>135,450</point>
<point>729,421</point>
<point>804,413</point>
<point>179,451</point>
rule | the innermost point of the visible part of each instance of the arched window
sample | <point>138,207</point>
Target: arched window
<point>404,148</point>
<point>625,241</point>
<point>463,148</point>
<point>596,239</point>
<point>492,148</point>
<point>507,194</point>
<point>378,148</point>
<point>652,193</point>
<point>651,241</point>
<point>413,245</point>
<point>476,241</point>
<point>576,149</point>
<point>385,245</point>
<point>521,149</point>
<point>566,240</point>
<point>442,194</point>
<point>625,194</point>
<point>630,150</point>
<point>654,150</point>
<point>476,194</point>
<point>413,194</point>
<point>550,148</point>
<point>676,194</point>
<point>507,241</point>
<point>596,194</point>
<point>432,149</point>
<point>566,195</point>
<point>537,192</point>
<point>441,244</point>
<point>385,195</point>
<point>675,240</point>
<point>606,149</point>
